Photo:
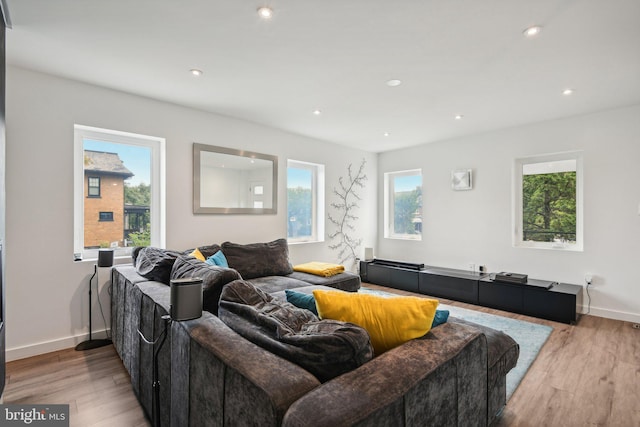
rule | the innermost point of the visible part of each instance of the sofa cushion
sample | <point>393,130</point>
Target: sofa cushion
<point>301,300</point>
<point>259,259</point>
<point>390,321</point>
<point>213,279</point>
<point>325,348</point>
<point>197,254</point>
<point>156,263</point>
<point>308,302</point>
<point>206,250</point>
<point>273,284</point>
<point>218,259</point>
<point>503,351</point>
<point>346,281</point>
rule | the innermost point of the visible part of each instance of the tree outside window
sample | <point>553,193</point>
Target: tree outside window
<point>403,204</point>
<point>549,202</point>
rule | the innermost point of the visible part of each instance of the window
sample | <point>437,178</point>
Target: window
<point>403,205</point>
<point>305,202</point>
<point>94,186</point>
<point>548,208</point>
<point>122,175</point>
<point>106,216</point>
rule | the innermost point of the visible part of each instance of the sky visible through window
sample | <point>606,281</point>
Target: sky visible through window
<point>407,183</point>
<point>299,178</point>
<point>136,159</point>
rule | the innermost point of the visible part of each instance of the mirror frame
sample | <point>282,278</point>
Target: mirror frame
<point>198,209</point>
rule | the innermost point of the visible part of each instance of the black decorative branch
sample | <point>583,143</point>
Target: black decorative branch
<point>346,243</point>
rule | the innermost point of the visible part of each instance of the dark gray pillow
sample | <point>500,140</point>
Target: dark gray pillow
<point>259,259</point>
<point>156,263</point>
<point>325,348</point>
<point>206,250</point>
<point>213,279</point>
<point>134,253</point>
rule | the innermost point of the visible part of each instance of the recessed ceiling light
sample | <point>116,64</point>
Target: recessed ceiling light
<point>567,91</point>
<point>386,134</point>
<point>196,72</point>
<point>317,112</point>
<point>265,12</point>
<point>394,82</point>
<point>532,31</point>
<point>458,116</point>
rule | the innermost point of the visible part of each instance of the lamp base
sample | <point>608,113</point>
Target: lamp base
<point>91,344</point>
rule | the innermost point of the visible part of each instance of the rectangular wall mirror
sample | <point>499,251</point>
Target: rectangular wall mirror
<point>230,181</point>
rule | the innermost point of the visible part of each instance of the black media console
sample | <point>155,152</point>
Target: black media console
<point>538,298</point>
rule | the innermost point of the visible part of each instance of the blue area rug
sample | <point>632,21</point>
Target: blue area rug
<point>530,336</point>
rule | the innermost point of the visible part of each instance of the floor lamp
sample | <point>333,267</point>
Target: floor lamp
<point>105,259</point>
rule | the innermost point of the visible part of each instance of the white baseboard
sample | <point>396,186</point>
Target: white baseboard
<point>612,314</point>
<point>49,346</point>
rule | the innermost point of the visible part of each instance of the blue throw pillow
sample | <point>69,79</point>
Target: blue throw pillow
<point>301,300</point>
<point>218,259</point>
<point>440,318</point>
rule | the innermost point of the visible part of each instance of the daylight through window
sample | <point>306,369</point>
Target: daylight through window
<point>305,202</point>
<point>119,191</point>
<point>549,196</point>
<point>403,204</point>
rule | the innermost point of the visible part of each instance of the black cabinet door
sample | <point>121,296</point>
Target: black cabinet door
<point>501,296</point>
<point>549,305</point>
<point>455,288</point>
<point>393,277</point>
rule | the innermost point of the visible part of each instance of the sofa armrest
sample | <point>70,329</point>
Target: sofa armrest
<point>439,379</point>
<point>224,379</point>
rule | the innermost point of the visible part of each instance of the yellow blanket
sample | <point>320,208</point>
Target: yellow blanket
<point>323,269</point>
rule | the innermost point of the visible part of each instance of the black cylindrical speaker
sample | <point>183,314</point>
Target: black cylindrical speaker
<point>186,298</point>
<point>105,257</point>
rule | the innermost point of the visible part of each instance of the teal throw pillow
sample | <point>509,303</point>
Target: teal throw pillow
<point>218,259</point>
<point>301,300</point>
<point>440,318</point>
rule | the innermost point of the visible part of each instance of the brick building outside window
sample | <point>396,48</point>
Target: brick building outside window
<point>104,202</point>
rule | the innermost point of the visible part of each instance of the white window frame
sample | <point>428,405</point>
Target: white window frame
<point>158,188</point>
<point>389,203</point>
<point>317,200</point>
<point>518,202</point>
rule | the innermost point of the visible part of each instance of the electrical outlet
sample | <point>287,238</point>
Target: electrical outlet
<point>588,279</point>
<point>636,326</point>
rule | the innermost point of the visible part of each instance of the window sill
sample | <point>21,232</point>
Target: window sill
<point>302,242</point>
<point>416,238</point>
<point>559,248</point>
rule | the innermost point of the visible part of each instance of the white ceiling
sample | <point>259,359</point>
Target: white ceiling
<point>464,57</point>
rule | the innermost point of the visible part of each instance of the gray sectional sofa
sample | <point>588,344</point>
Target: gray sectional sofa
<point>210,375</point>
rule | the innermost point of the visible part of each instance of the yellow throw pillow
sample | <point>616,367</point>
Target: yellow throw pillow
<point>390,321</point>
<point>197,254</point>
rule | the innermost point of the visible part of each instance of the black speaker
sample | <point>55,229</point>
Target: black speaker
<point>364,276</point>
<point>186,299</point>
<point>105,257</point>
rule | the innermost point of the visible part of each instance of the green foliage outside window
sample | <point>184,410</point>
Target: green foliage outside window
<point>299,204</point>
<point>549,207</point>
<point>142,238</point>
<point>139,195</point>
<point>406,211</point>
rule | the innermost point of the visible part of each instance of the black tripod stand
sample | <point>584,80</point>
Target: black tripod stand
<point>91,343</point>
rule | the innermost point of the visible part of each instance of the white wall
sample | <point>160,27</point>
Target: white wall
<point>462,227</point>
<point>46,291</point>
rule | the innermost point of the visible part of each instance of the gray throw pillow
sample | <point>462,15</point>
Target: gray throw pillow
<point>325,348</point>
<point>213,279</point>
<point>259,259</point>
<point>156,263</point>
